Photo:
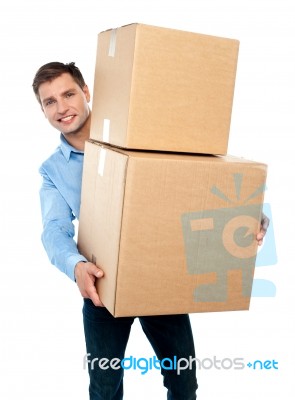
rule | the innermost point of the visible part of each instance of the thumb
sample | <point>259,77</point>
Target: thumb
<point>264,222</point>
<point>96,271</point>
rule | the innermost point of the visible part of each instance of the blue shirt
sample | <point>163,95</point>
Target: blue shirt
<point>60,197</point>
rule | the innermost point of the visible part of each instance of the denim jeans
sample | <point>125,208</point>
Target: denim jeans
<point>106,338</point>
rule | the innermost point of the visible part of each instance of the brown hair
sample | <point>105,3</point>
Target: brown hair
<point>52,70</point>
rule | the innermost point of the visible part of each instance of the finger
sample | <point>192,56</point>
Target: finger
<point>94,270</point>
<point>259,237</point>
<point>93,295</point>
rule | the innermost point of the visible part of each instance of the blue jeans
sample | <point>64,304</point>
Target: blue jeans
<point>106,338</point>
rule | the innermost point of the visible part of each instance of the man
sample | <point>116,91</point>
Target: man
<point>64,97</point>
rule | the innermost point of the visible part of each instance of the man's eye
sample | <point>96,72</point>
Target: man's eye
<point>70,94</point>
<point>49,102</point>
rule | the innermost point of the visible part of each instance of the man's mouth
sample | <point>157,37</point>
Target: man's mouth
<point>67,118</point>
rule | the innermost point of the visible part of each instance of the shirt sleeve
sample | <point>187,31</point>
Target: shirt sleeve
<point>58,228</point>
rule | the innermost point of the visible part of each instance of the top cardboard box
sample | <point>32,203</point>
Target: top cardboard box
<point>163,89</point>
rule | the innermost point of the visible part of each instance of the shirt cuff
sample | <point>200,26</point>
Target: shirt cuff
<point>71,264</point>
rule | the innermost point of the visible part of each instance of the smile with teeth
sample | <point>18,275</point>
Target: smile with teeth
<point>66,119</point>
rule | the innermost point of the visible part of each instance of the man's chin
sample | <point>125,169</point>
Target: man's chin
<point>71,131</point>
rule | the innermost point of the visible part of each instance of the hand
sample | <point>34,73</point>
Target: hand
<point>86,273</point>
<point>263,229</point>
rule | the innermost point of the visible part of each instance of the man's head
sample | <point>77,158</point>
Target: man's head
<point>63,96</point>
<point>52,70</point>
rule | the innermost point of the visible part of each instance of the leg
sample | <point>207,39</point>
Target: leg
<point>106,338</point>
<point>172,339</point>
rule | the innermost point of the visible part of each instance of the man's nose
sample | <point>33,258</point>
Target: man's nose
<point>62,106</point>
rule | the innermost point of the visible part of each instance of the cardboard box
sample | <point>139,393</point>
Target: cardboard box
<point>173,233</point>
<point>163,89</point>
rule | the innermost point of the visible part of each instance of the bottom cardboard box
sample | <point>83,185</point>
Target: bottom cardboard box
<point>174,233</point>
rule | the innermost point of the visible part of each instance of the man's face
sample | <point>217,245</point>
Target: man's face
<point>65,104</point>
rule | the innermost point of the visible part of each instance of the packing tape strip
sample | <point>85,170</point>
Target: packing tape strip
<point>112,46</point>
<point>106,130</point>
<point>101,161</point>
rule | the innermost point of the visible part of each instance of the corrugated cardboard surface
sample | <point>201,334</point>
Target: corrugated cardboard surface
<point>163,89</point>
<point>173,233</point>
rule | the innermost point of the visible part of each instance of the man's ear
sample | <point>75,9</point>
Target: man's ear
<point>87,93</point>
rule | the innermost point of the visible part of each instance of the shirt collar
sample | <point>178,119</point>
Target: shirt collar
<point>66,148</point>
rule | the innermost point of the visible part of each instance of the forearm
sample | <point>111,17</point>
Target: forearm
<point>58,228</point>
<point>61,248</point>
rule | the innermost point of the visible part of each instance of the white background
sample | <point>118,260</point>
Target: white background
<point>42,342</point>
